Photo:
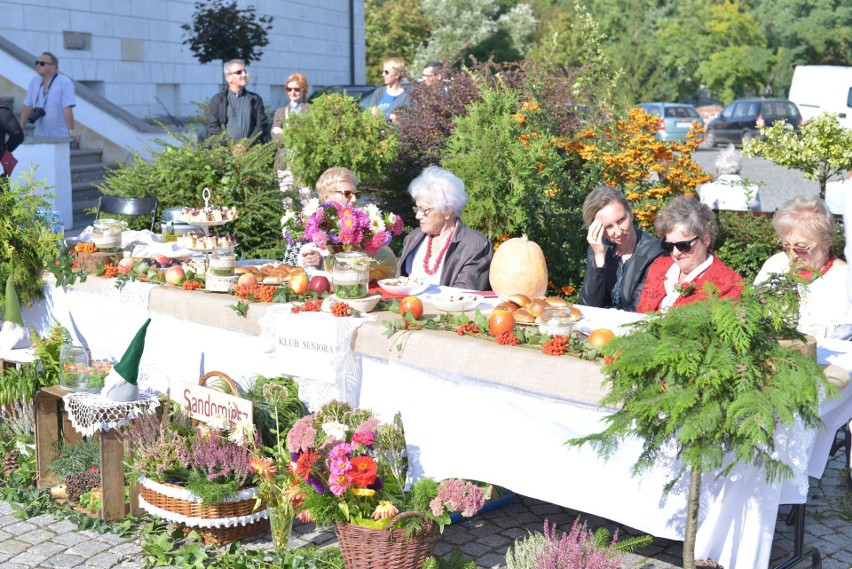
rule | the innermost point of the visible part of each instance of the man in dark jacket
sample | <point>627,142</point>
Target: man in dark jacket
<point>11,133</point>
<point>236,110</point>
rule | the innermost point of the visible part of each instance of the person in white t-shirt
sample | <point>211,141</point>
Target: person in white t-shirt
<point>50,100</point>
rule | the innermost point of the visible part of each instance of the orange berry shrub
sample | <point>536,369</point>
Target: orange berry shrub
<point>650,172</point>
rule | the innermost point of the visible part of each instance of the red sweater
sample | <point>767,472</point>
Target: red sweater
<point>729,283</point>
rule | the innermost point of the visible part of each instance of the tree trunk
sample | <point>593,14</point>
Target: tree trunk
<point>692,505</point>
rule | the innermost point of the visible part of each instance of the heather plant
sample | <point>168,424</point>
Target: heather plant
<point>157,446</point>
<point>217,466</point>
<point>578,549</point>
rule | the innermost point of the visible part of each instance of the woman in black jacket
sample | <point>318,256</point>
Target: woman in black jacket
<point>11,133</point>
<point>619,254</point>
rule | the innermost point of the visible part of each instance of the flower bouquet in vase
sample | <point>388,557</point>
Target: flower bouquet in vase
<point>350,238</point>
<point>353,471</point>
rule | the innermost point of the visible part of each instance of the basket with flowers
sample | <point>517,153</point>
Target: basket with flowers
<point>353,471</point>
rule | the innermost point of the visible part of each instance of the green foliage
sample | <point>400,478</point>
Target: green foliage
<point>821,149</point>
<point>210,492</point>
<point>456,560</point>
<point>27,242</point>
<point>178,172</point>
<point>711,378</point>
<point>72,458</point>
<point>745,242</point>
<point>273,398</point>
<point>47,351</point>
<point>221,30</point>
<point>392,29</point>
<point>337,133</point>
<point>21,384</point>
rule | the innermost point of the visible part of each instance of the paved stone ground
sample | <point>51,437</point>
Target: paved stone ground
<point>44,542</point>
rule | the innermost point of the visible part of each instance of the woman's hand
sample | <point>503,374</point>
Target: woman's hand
<point>595,239</point>
<point>312,258</point>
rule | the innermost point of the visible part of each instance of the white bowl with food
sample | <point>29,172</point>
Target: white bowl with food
<point>403,286</point>
<point>453,302</point>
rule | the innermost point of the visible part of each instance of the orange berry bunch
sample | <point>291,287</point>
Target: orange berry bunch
<point>468,328</point>
<point>507,338</point>
<point>265,293</point>
<point>246,290</point>
<point>82,247</point>
<point>309,306</point>
<point>191,285</point>
<point>110,271</point>
<point>556,346</point>
<point>341,309</point>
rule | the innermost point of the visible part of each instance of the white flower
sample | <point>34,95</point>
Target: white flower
<point>218,422</point>
<point>242,432</point>
<point>335,430</point>
<point>372,210</point>
<point>310,207</point>
<point>288,217</point>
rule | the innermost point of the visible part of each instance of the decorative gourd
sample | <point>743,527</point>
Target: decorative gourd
<point>518,267</point>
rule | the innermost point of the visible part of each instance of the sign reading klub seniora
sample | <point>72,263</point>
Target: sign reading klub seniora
<point>207,404</point>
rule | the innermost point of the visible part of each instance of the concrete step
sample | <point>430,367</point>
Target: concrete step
<point>87,172</point>
<point>85,156</point>
<point>81,218</point>
<point>83,191</point>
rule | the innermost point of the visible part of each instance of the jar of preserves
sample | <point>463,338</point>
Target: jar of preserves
<point>223,262</point>
<point>556,321</point>
<point>350,274</point>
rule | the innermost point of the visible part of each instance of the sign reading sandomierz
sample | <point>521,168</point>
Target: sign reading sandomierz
<point>206,404</point>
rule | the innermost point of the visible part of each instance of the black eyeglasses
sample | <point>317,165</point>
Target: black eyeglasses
<point>296,89</point>
<point>240,72</point>
<point>682,246</point>
<point>420,211</point>
<point>43,63</point>
<point>349,193</point>
<point>386,72</point>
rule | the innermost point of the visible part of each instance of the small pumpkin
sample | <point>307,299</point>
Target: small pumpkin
<point>518,267</point>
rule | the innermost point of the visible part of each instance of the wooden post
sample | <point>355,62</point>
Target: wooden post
<point>112,475</point>
<point>46,403</point>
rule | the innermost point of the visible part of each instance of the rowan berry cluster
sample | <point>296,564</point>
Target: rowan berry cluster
<point>507,338</point>
<point>110,271</point>
<point>341,309</point>
<point>265,293</point>
<point>556,346</point>
<point>191,285</point>
<point>468,328</point>
<point>85,247</point>
<point>309,306</point>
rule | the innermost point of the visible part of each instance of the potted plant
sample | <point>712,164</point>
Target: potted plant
<point>353,471</point>
<point>712,379</point>
<point>196,475</point>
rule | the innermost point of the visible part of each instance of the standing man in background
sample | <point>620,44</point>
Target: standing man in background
<point>50,100</point>
<point>236,110</point>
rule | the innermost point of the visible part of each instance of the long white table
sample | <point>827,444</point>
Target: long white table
<point>471,409</point>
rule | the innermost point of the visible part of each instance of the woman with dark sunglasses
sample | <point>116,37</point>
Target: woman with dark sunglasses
<point>687,229</point>
<point>806,230</point>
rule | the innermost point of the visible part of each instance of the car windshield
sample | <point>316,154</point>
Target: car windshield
<point>681,112</point>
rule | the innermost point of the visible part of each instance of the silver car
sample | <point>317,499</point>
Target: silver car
<point>674,119</point>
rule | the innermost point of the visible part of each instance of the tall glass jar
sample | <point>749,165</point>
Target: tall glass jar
<point>350,274</point>
<point>74,370</point>
<point>223,262</point>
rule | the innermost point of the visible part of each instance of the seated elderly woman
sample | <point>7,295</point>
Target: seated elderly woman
<point>729,191</point>
<point>805,228</point>
<point>339,185</point>
<point>619,254</point>
<point>443,250</point>
<point>687,228</point>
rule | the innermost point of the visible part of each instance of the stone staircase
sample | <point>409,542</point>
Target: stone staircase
<point>87,169</point>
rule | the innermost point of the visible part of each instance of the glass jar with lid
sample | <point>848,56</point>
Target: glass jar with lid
<point>223,262</point>
<point>350,274</point>
<point>74,370</point>
<point>556,321</point>
<point>106,234</point>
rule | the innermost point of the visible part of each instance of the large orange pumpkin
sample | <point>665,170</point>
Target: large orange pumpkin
<point>518,267</point>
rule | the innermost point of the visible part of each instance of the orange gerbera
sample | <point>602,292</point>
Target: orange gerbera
<point>306,463</point>
<point>263,466</point>
<point>363,471</point>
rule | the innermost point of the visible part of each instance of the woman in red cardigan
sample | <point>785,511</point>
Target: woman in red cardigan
<point>687,229</point>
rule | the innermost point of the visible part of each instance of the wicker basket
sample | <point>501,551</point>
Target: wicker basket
<point>367,548</point>
<point>220,510</point>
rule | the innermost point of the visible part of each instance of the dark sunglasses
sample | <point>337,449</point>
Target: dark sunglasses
<point>348,193</point>
<point>43,63</point>
<point>240,72</point>
<point>296,89</point>
<point>682,246</point>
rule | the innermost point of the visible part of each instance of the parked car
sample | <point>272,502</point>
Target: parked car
<point>708,107</point>
<point>360,93</point>
<point>740,121</point>
<point>819,88</point>
<point>675,119</point>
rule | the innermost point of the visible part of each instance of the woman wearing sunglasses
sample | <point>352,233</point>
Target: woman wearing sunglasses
<point>687,229</point>
<point>806,230</point>
<point>619,254</point>
<point>392,95</point>
<point>296,86</point>
<point>339,185</point>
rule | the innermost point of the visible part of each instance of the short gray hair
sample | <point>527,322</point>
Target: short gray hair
<point>230,63</point>
<point>728,161</point>
<point>442,188</point>
<point>694,216</point>
<point>810,216</point>
<point>601,197</point>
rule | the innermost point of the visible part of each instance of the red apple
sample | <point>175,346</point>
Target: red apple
<point>163,260</point>
<point>125,265</point>
<point>247,279</point>
<point>319,284</point>
<point>175,275</point>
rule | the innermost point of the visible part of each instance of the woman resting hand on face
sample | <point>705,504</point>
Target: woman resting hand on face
<point>687,228</point>
<point>806,230</point>
<point>443,250</point>
<point>619,254</point>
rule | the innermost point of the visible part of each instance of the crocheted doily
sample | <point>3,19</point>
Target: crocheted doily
<point>92,412</point>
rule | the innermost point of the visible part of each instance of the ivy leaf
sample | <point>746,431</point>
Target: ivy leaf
<point>240,307</point>
<point>480,320</point>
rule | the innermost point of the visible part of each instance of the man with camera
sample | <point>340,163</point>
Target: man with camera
<point>50,101</point>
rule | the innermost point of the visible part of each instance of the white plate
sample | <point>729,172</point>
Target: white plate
<point>401,290</point>
<point>453,302</point>
<point>255,262</point>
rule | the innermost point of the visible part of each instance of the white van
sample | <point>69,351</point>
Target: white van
<point>818,88</point>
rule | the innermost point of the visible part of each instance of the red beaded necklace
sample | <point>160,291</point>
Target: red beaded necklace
<point>808,275</point>
<point>440,255</point>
